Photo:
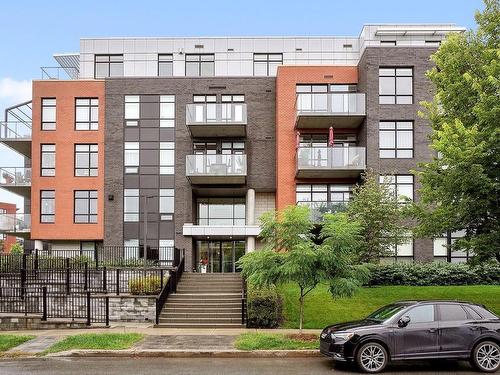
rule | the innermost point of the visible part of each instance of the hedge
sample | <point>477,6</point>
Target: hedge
<point>265,308</point>
<point>436,273</point>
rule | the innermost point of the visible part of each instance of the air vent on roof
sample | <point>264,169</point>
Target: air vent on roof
<point>199,46</point>
<point>216,87</point>
<point>347,45</point>
<point>328,76</point>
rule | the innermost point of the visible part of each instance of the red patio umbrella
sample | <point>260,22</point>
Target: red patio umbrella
<point>330,137</point>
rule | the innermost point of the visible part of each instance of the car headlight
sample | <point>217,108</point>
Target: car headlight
<point>342,336</point>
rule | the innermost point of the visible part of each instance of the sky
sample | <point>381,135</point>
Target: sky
<point>38,29</point>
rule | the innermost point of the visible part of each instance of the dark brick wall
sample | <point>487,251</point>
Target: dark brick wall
<point>418,58</point>
<point>260,144</point>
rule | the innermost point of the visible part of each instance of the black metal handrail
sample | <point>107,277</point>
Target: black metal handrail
<point>244,310</point>
<point>170,286</point>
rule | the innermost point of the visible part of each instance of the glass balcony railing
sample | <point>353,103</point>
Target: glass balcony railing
<point>15,223</point>
<point>349,104</point>
<point>331,158</point>
<point>15,177</point>
<point>216,165</point>
<point>318,209</point>
<point>216,113</point>
<point>15,130</point>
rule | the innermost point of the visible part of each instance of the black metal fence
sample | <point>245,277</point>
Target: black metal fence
<point>85,307</point>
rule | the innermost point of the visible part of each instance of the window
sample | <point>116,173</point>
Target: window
<point>86,160</point>
<point>86,113</point>
<point>167,111</point>
<point>395,85</point>
<point>421,314</point>
<point>266,64</point>
<point>131,248</point>
<point>401,185</point>
<point>456,255</point>
<point>131,160</point>
<point>131,205</point>
<point>165,65</point>
<point>167,157</point>
<point>322,198</point>
<point>47,206</point>
<point>166,204</point>
<point>132,110</point>
<point>451,312</point>
<point>472,313</point>
<point>48,113</point>
<point>48,160</point>
<point>199,65</point>
<point>404,250</point>
<point>85,206</point>
<point>396,139</point>
<point>221,211</point>
<point>108,66</point>
<point>232,108</point>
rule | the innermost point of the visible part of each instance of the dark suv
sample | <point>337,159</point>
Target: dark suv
<point>417,330</point>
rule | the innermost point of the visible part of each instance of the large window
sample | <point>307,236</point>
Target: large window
<point>167,157</point>
<point>108,66</point>
<point>86,160</point>
<point>403,251</point>
<point>266,64</point>
<point>166,204</point>
<point>395,85</point>
<point>200,65</point>
<point>85,206</point>
<point>165,65</point>
<point>221,211</point>
<point>167,111</point>
<point>86,113</point>
<point>132,110</point>
<point>322,198</point>
<point>401,185</point>
<point>441,251</point>
<point>48,160</point>
<point>48,113</point>
<point>396,139</point>
<point>47,206</point>
<point>131,160</point>
<point>131,205</point>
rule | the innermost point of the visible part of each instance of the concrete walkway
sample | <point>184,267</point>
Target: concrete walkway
<point>38,345</point>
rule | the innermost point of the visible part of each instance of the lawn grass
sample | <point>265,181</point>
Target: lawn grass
<point>274,341</point>
<point>321,310</point>
<point>104,341</point>
<point>10,341</point>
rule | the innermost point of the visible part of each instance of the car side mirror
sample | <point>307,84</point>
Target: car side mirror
<point>403,321</point>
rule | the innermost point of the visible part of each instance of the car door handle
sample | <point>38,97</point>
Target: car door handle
<point>433,330</point>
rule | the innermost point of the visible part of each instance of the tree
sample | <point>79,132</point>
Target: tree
<point>461,188</point>
<point>375,206</point>
<point>291,256</point>
<point>16,248</point>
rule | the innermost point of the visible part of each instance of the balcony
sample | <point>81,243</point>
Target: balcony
<point>17,136</point>
<point>216,169</point>
<point>18,225</point>
<point>318,209</point>
<point>217,119</point>
<point>322,110</point>
<point>330,162</point>
<point>16,180</point>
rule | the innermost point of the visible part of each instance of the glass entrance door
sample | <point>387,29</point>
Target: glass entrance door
<point>218,256</point>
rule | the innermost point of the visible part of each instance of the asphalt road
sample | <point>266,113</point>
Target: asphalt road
<point>206,366</point>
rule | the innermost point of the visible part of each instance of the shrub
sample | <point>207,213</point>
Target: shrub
<point>145,285</point>
<point>16,248</point>
<point>265,308</point>
<point>436,273</point>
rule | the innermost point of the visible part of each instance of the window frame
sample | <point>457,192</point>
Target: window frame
<point>395,76</point>
<point>131,168</point>
<point>44,106</point>
<point>90,152</point>
<point>267,61</point>
<point>167,168</point>
<point>90,215</point>
<point>108,63</point>
<point>394,184</point>
<point>169,62</point>
<point>396,131</point>
<point>199,62</point>
<point>169,195</point>
<point>131,216</point>
<point>91,125</point>
<point>52,215</point>
<point>42,152</point>
<point>233,201</point>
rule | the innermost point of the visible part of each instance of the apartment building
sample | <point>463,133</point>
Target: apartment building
<point>185,142</point>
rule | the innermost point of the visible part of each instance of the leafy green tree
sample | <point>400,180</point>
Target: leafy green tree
<point>291,256</point>
<point>461,188</point>
<point>381,217</point>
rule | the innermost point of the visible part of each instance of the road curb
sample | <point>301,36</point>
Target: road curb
<point>188,353</point>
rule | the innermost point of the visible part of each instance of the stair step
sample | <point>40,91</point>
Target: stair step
<point>202,320</point>
<point>200,309</point>
<point>200,325</point>
<point>201,315</point>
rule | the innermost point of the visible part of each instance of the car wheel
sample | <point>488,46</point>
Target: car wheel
<point>486,356</point>
<point>372,357</point>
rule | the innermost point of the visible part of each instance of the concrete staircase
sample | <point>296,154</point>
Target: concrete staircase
<point>204,301</point>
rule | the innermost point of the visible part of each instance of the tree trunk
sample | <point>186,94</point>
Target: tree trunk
<point>301,318</point>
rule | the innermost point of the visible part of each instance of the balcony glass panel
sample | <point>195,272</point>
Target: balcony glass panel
<point>15,223</point>
<point>331,103</point>
<point>331,157</point>
<point>216,113</point>
<point>15,130</point>
<point>15,176</point>
<point>216,165</point>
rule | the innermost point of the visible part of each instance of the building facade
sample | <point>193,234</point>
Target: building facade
<point>185,142</point>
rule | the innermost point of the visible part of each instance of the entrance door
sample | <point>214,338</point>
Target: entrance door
<point>219,256</point>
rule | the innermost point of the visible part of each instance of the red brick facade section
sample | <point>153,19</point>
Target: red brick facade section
<point>8,208</point>
<point>287,79</point>
<point>64,183</point>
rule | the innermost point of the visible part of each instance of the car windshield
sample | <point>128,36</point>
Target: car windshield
<point>386,312</point>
